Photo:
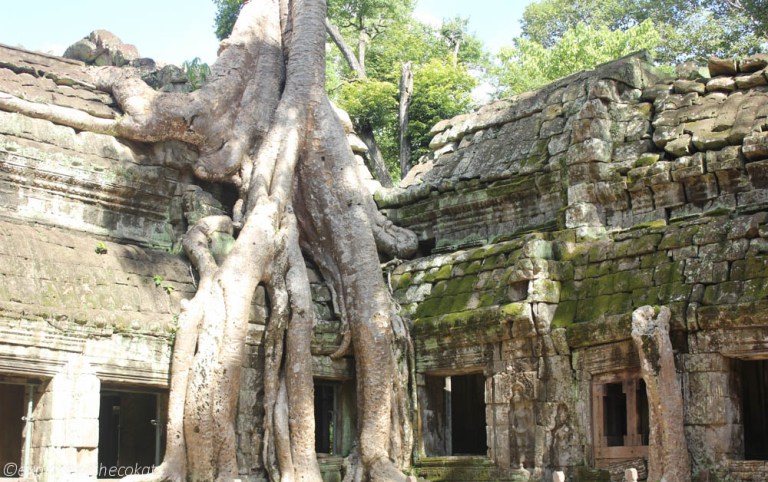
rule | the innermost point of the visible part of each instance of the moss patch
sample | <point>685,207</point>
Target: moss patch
<point>565,314</point>
<point>404,281</point>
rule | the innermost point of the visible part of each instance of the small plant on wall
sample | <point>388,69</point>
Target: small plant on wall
<point>158,280</point>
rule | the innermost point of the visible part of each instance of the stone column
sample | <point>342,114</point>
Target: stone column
<point>66,425</point>
<point>668,451</point>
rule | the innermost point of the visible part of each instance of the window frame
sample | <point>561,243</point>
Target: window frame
<point>633,440</point>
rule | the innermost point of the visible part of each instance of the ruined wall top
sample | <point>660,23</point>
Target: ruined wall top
<point>635,144</point>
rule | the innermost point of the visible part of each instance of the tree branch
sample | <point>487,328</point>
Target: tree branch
<point>346,51</point>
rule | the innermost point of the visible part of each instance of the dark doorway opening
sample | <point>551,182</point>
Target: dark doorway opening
<point>12,411</point>
<point>614,414</point>
<point>643,415</point>
<point>130,432</point>
<point>754,405</point>
<point>468,415</point>
<point>453,416</point>
<point>325,416</point>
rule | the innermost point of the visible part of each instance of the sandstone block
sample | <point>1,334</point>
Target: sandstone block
<point>702,188</point>
<point>593,109</point>
<point>753,63</point>
<point>591,150</point>
<point>102,48</point>
<point>690,71</point>
<point>552,127</point>
<point>642,200</point>
<point>721,84</point>
<point>656,91</point>
<point>604,90</point>
<point>687,86</point>
<point>710,141</point>
<point>544,290</point>
<point>719,66</point>
<point>583,129</point>
<point>668,195</point>
<point>680,146</point>
<point>591,171</point>
<point>581,214</point>
<point>750,81</point>
<point>663,135</point>
<point>687,166</point>
<point>756,146</point>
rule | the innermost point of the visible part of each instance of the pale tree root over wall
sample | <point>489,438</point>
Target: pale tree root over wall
<point>264,124</point>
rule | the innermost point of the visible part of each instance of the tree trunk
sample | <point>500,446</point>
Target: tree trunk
<point>406,90</point>
<point>362,45</point>
<point>377,165</point>
<point>264,124</point>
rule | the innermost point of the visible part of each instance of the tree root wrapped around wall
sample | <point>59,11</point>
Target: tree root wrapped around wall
<point>264,124</point>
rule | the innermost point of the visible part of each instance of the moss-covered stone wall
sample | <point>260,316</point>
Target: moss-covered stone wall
<point>654,196</point>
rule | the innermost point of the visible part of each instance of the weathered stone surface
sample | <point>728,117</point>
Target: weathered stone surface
<point>749,81</point>
<point>756,146</point>
<point>753,63</point>
<point>556,215</point>
<point>722,66</point>
<point>102,48</point>
<point>683,86</point>
<point>668,454</point>
<point>680,146</point>
<point>721,84</point>
<point>691,71</point>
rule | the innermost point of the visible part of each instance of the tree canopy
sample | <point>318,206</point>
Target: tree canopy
<point>690,29</point>
<point>383,36</point>
<point>561,37</point>
<point>442,84</point>
<point>529,64</point>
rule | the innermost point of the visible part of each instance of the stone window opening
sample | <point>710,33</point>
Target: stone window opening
<point>326,412</point>
<point>131,432</point>
<point>621,425</point>
<point>17,400</point>
<point>334,417</point>
<point>753,375</point>
<point>454,415</point>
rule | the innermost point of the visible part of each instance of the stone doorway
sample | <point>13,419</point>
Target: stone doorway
<point>130,433</point>
<point>454,415</point>
<point>754,405</point>
<point>13,404</point>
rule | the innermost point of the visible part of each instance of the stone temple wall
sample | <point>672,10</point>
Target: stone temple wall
<point>88,225</point>
<point>554,216</point>
<point>546,222</point>
<point>92,274</point>
<point>637,144</point>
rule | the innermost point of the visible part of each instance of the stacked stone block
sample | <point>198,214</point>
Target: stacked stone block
<point>65,443</point>
<point>554,301</point>
<point>637,144</point>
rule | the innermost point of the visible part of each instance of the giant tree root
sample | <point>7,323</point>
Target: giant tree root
<point>264,124</point>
